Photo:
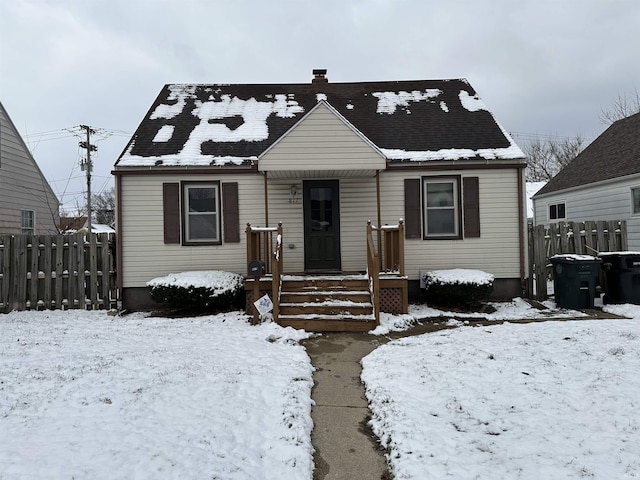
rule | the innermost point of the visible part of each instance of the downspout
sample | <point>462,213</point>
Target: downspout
<point>118,240</point>
<point>521,229</point>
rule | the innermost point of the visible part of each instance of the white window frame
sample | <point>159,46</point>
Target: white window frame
<point>635,211</point>
<point>456,207</point>
<point>187,214</point>
<point>28,229</point>
<point>557,218</point>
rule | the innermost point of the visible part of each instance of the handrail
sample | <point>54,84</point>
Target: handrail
<point>373,271</point>
<point>276,269</point>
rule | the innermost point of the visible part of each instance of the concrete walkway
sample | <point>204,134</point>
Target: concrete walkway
<point>343,448</point>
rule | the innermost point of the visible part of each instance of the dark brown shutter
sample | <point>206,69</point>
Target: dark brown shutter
<point>171,212</point>
<point>471,200</point>
<point>230,212</point>
<point>412,211</point>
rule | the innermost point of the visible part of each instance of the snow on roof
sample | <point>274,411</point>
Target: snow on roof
<point>218,125</point>
<point>388,102</point>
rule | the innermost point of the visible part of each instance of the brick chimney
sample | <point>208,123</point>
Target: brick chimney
<point>319,76</point>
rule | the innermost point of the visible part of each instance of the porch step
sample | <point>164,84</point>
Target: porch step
<point>326,303</point>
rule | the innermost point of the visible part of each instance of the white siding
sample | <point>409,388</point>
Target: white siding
<point>605,201</point>
<point>497,249</point>
<point>144,254</point>
<point>357,205</point>
<point>321,142</point>
<point>22,185</point>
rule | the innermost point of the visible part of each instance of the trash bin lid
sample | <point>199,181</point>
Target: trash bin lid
<point>574,258</point>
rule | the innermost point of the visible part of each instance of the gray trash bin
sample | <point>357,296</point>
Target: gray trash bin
<point>621,274</point>
<point>574,280</point>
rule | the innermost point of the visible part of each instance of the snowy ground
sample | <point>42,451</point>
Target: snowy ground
<point>85,395</point>
<point>538,400</point>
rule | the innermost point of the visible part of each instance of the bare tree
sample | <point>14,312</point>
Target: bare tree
<point>104,205</point>
<point>621,107</point>
<point>546,158</point>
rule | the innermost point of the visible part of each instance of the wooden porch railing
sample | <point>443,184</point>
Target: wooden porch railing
<point>392,248</point>
<point>264,244</point>
<point>373,271</point>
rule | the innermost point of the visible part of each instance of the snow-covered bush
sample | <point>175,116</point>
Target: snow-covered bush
<point>206,291</point>
<point>457,287</point>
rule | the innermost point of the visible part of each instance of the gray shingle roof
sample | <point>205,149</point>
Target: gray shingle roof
<point>220,124</point>
<point>615,153</point>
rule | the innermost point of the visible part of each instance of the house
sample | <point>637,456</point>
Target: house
<point>79,224</point>
<point>426,159</point>
<point>27,202</point>
<point>601,183</point>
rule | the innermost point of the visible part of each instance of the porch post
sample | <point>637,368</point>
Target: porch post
<point>379,215</point>
<point>266,202</point>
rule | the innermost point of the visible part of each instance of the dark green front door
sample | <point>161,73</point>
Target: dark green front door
<point>321,225</point>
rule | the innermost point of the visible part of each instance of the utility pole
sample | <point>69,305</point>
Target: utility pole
<point>87,166</point>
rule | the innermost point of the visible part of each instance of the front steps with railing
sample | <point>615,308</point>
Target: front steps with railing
<point>326,303</point>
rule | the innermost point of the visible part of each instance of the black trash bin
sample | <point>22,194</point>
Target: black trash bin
<point>621,275</point>
<point>574,280</point>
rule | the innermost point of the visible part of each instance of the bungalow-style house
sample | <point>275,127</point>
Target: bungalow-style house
<point>331,185</point>
<point>27,202</point>
<point>601,183</point>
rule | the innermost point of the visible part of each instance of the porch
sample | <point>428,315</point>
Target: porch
<point>328,301</point>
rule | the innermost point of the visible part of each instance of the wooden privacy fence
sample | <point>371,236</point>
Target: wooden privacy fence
<point>57,272</point>
<point>584,238</point>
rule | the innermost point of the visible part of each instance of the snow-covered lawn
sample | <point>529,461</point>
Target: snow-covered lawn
<point>88,396</point>
<point>520,401</point>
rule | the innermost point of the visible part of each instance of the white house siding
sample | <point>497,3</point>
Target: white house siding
<point>321,142</point>
<point>497,249</point>
<point>144,254</point>
<point>602,201</point>
<point>22,185</point>
<point>357,205</point>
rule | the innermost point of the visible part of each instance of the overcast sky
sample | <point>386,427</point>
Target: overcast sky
<point>543,67</point>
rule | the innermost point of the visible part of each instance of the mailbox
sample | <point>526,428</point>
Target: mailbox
<point>256,268</point>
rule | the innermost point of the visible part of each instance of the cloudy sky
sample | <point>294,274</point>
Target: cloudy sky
<point>544,67</point>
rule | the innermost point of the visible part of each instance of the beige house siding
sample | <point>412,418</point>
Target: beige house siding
<point>22,184</point>
<point>144,254</point>
<point>322,141</point>
<point>497,249</point>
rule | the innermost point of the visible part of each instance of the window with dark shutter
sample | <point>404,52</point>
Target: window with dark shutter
<point>471,208</point>
<point>412,210</point>
<point>230,213</point>
<point>171,212</point>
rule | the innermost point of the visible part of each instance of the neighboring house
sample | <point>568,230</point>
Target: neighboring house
<point>532,189</point>
<point>79,224</point>
<point>601,183</point>
<point>27,203</point>
<point>322,158</point>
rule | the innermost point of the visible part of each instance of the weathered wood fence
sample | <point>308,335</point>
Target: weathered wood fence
<point>584,238</point>
<point>57,272</point>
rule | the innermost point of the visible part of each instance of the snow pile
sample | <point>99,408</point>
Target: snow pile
<point>537,400</point>
<point>218,281</point>
<point>460,276</point>
<point>85,395</point>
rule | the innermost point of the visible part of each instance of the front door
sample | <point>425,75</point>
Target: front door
<point>321,225</point>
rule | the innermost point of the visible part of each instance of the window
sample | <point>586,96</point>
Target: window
<point>635,201</point>
<point>557,211</point>
<point>441,206</point>
<point>28,222</point>
<point>201,213</point>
